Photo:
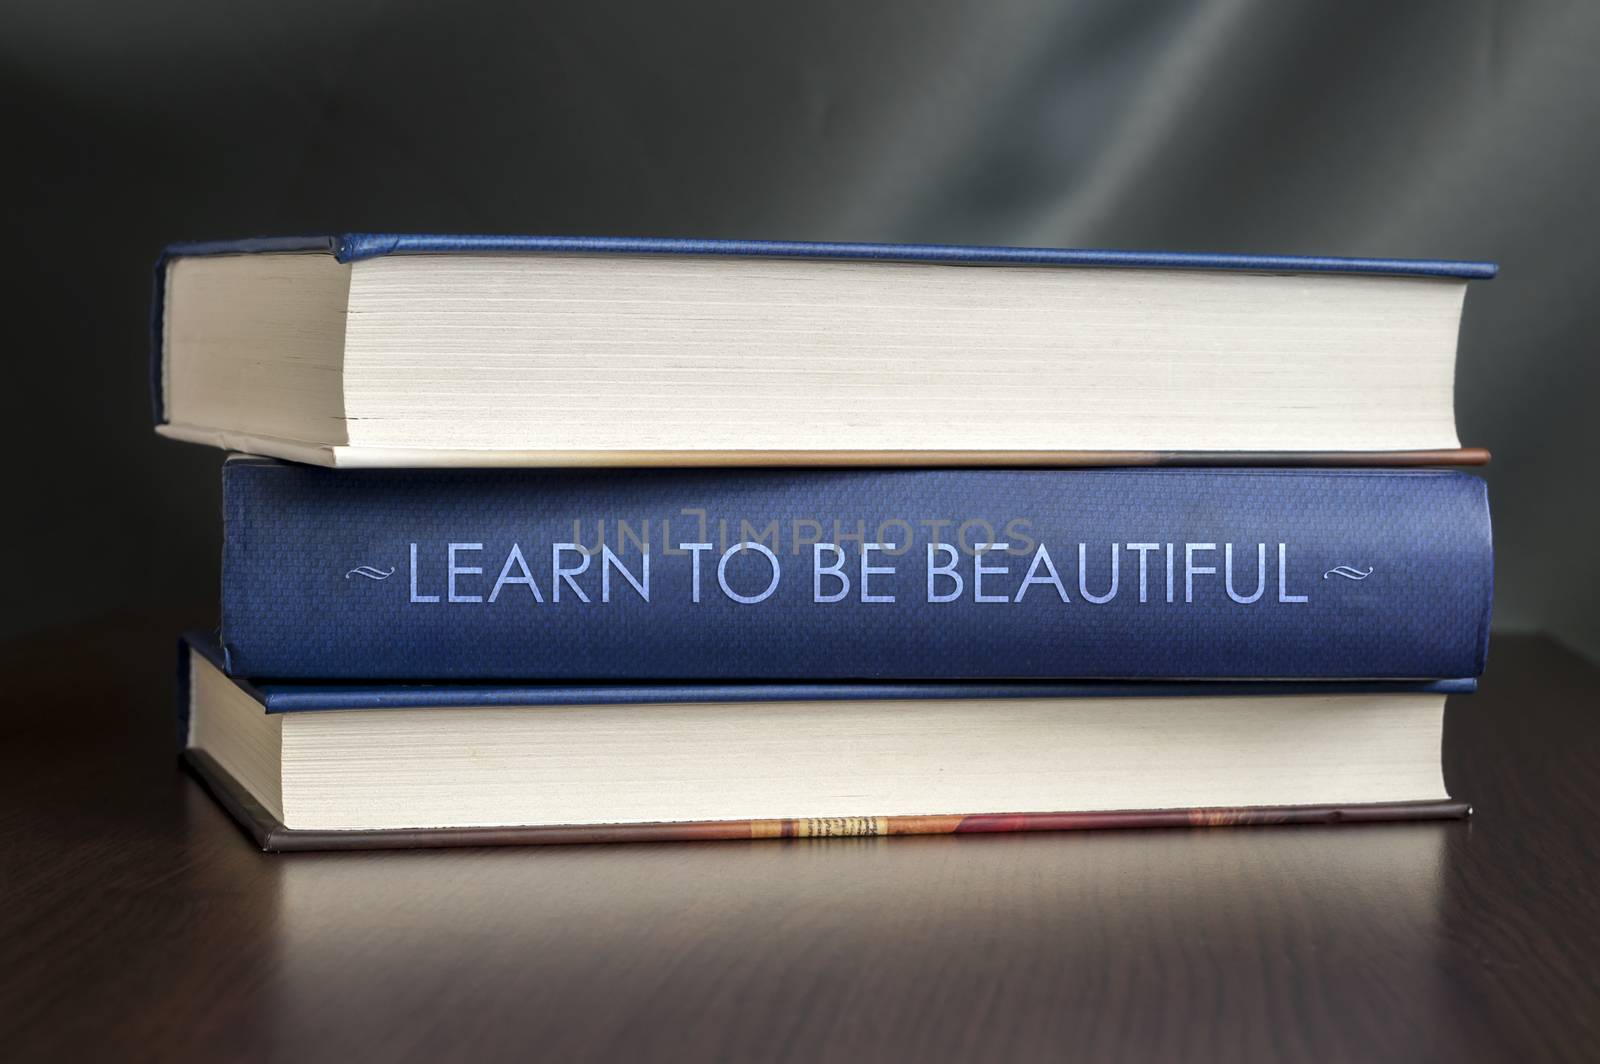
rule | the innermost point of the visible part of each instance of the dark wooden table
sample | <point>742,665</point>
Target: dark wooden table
<point>138,922</point>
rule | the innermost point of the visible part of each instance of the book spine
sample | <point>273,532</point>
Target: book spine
<point>843,575</point>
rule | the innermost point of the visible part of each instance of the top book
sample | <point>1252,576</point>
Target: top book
<point>394,350</point>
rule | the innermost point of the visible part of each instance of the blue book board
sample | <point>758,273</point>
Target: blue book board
<point>723,576</point>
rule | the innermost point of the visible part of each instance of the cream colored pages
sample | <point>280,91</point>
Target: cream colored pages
<point>570,360</point>
<point>540,765</point>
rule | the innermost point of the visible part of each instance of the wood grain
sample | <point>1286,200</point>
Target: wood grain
<point>139,921</point>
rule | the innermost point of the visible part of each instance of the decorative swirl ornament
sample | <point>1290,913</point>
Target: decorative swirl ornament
<point>1348,572</point>
<point>370,572</point>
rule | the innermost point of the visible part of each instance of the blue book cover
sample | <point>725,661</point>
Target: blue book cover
<point>723,576</point>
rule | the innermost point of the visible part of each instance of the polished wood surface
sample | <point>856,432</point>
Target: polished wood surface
<point>138,922</point>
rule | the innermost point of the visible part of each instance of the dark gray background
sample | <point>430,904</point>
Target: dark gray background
<point>1445,129</point>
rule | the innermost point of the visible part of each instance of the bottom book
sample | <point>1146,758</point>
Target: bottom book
<point>350,767</point>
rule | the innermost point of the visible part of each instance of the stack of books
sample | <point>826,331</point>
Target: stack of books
<point>565,540</point>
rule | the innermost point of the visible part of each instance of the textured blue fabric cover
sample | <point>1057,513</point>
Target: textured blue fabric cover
<point>296,603</point>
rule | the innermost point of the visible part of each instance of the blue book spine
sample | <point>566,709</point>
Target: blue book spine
<point>840,576</point>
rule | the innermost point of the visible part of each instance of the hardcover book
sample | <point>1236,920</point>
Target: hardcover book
<point>318,767</point>
<point>397,350</point>
<point>844,575</point>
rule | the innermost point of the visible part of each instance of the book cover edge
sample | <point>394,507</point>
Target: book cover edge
<point>341,456</point>
<point>309,696</point>
<point>355,247</point>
